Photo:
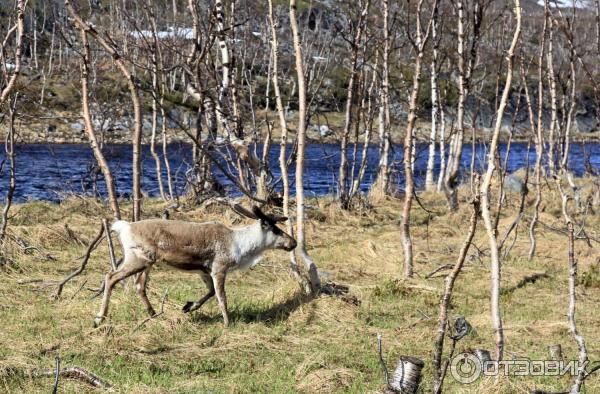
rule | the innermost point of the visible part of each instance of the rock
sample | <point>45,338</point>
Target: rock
<point>513,183</point>
<point>585,118</point>
<point>398,111</point>
<point>51,128</point>
<point>77,127</point>
<point>325,131</point>
<point>147,125</point>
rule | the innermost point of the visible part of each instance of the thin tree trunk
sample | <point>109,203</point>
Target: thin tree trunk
<point>456,142</point>
<point>553,100</point>
<point>301,135</point>
<point>155,105</point>
<point>419,45</point>
<point>137,114</point>
<point>573,102</point>
<point>89,128</point>
<point>368,109</point>
<point>283,165</point>
<point>19,28</point>
<point>539,140</point>
<point>343,189</point>
<point>9,148</point>
<point>442,174</point>
<point>381,186</point>
<point>429,182</point>
<point>438,374</point>
<point>157,102</point>
<point>464,81</point>
<point>485,199</point>
<point>583,358</point>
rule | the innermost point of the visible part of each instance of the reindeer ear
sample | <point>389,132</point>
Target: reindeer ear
<point>278,219</point>
<point>240,210</point>
<point>260,215</point>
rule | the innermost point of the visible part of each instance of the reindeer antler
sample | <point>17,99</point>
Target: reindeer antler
<point>240,210</point>
<point>273,219</point>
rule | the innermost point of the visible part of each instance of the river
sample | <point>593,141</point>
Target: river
<point>51,172</point>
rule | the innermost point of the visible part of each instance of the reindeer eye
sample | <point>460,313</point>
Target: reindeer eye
<point>276,230</point>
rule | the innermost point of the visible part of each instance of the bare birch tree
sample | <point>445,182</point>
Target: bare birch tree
<point>283,165</point>
<point>351,92</point>
<point>10,79</point>
<point>485,189</point>
<point>429,182</point>
<point>89,127</point>
<point>420,40</point>
<point>381,184</point>
<point>301,136</point>
<point>465,71</point>
<point>539,136</point>
<point>109,46</point>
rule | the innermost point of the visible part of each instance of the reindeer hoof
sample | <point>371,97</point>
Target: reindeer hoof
<point>187,307</point>
<point>97,321</point>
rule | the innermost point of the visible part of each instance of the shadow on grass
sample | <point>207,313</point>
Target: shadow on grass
<point>257,313</point>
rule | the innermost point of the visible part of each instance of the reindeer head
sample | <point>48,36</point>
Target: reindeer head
<point>278,239</point>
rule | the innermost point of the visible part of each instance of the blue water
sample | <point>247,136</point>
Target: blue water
<point>50,172</point>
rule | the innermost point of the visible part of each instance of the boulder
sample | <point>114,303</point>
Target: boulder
<point>514,183</point>
<point>325,131</point>
<point>77,127</point>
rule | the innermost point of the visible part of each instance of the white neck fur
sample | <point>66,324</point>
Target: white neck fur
<point>249,243</point>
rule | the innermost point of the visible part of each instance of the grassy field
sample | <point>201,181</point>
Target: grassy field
<point>280,342</point>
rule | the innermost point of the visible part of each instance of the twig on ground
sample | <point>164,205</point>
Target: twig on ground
<point>79,289</point>
<point>525,281</point>
<point>56,375</point>
<point>162,310</point>
<point>381,360</point>
<point>438,269</point>
<point>111,250</point>
<point>79,270</point>
<point>76,373</point>
<point>28,281</point>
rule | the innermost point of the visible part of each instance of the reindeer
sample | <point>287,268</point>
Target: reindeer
<point>210,249</point>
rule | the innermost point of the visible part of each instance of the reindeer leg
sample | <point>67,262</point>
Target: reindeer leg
<point>219,282</point>
<point>192,306</point>
<point>140,286</point>
<point>130,266</point>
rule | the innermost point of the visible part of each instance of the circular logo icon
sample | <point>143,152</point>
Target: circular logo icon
<point>466,368</point>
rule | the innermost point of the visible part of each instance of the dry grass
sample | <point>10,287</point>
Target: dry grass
<point>280,342</point>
